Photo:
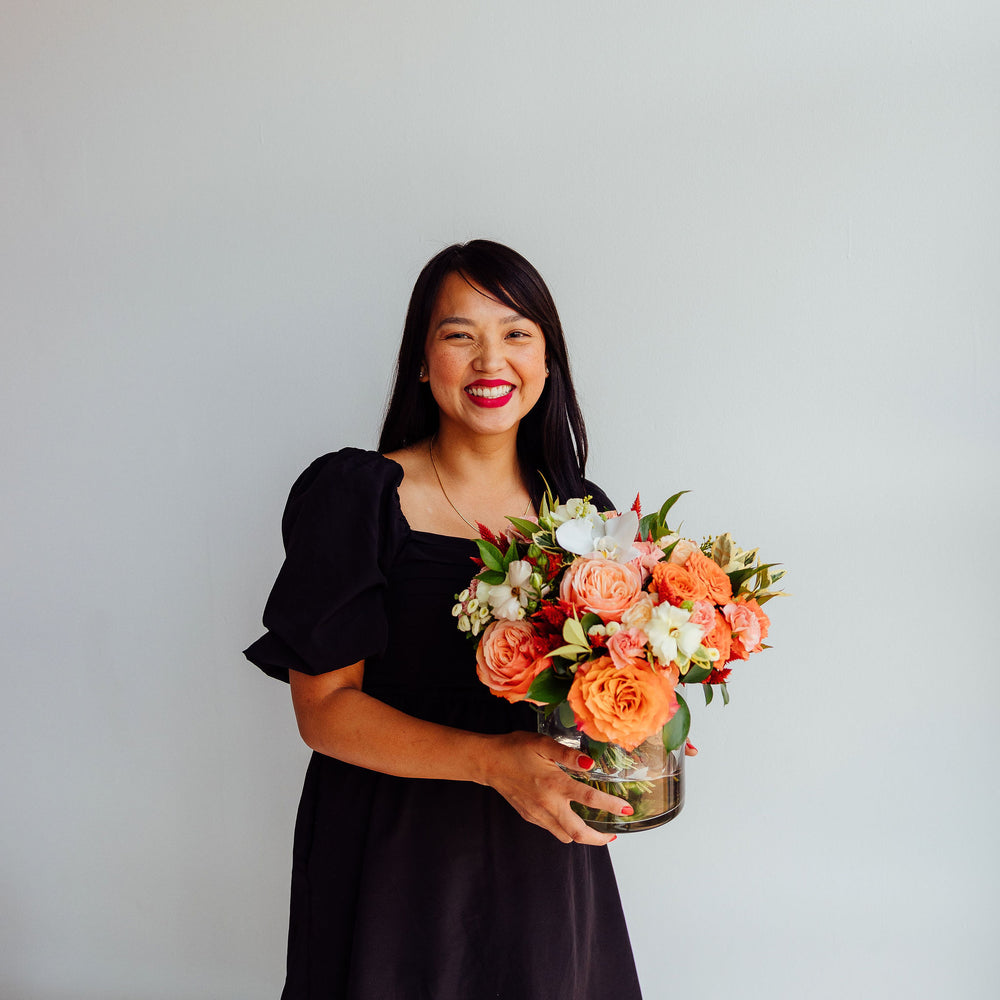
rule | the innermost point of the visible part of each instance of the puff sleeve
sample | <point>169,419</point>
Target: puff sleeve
<point>340,528</point>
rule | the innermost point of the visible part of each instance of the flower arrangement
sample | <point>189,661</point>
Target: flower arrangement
<point>596,618</point>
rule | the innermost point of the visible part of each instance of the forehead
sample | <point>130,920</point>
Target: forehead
<point>460,299</point>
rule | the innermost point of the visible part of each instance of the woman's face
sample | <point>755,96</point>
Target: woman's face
<point>484,362</point>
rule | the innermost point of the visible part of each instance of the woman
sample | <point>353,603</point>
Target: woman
<point>477,880</point>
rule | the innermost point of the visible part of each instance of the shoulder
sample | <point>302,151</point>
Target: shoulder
<point>348,480</point>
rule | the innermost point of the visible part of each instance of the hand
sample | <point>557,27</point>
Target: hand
<point>524,768</point>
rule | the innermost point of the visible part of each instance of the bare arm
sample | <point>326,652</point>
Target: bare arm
<point>336,718</point>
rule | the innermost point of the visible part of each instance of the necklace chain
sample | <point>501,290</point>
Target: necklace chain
<point>444,492</point>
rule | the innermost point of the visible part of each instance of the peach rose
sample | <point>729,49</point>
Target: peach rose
<point>745,629</point>
<point>639,611</point>
<point>675,584</point>
<point>681,552</point>
<point>627,644</point>
<point>607,588</point>
<point>711,576</point>
<point>703,615</point>
<point>649,555</point>
<point>510,655</point>
<point>623,705</point>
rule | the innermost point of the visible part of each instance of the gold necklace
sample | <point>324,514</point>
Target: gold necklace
<point>475,528</point>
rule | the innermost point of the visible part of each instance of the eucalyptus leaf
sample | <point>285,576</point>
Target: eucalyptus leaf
<point>675,732</point>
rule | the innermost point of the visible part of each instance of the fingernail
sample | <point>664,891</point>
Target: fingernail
<point>627,811</point>
<point>613,837</point>
<point>585,762</point>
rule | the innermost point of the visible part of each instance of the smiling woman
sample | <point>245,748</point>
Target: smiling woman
<point>478,879</point>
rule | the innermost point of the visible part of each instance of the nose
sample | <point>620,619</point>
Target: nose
<point>490,357</point>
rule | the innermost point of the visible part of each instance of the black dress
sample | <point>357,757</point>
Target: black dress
<point>410,889</point>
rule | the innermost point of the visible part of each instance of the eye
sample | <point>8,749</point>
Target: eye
<point>520,334</point>
<point>456,335</point>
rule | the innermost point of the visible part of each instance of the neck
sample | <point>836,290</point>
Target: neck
<point>477,459</point>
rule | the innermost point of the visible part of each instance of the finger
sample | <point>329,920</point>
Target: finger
<point>580,833</point>
<point>690,750</point>
<point>594,798</point>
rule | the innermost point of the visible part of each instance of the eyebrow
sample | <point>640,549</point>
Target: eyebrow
<point>462,321</point>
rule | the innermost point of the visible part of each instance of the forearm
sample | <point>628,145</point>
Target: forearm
<point>356,728</point>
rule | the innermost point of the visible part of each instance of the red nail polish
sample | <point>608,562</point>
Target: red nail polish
<point>627,811</point>
<point>613,837</point>
<point>585,762</point>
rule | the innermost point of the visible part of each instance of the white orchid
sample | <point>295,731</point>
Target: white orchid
<point>511,598</point>
<point>590,533</point>
<point>571,510</point>
<point>673,638</point>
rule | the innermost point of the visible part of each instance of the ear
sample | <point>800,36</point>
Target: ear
<point>422,375</point>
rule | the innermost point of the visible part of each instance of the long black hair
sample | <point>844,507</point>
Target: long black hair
<point>551,439</point>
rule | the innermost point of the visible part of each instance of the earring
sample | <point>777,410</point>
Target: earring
<point>546,369</point>
<point>422,374</point>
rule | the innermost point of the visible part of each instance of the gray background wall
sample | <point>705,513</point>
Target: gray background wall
<point>771,228</point>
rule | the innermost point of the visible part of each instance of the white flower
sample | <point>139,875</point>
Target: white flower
<point>612,538</point>
<point>673,638</point>
<point>572,509</point>
<point>510,598</point>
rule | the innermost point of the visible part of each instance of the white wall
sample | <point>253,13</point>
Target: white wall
<point>771,228</point>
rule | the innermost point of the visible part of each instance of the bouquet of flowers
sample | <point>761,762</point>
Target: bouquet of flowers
<point>597,618</point>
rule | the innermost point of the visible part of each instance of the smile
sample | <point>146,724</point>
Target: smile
<point>490,391</point>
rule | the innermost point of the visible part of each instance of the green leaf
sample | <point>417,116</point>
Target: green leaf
<point>509,556</point>
<point>549,688</point>
<point>709,693</point>
<point>739,576</point>
<point>570,651</point>
<point>725,694</point>
<point>665,509</point>
<point>589,620</point>
<point>675,732</point>
<point>695,674</point>
<point>566,717</point>
<point>646,525</point>
<point>573,633</point>
<point>526,527</point>
<point>492,576</point>
<point>490,555</point>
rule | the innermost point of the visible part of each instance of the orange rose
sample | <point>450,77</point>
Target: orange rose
<point>510,655</point>
<point>675,584</point>
<point>712,576</point>
<point>719,637</point>
<point>623,705</point>
<point>603,586</point>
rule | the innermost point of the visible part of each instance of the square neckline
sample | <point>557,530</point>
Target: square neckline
<point>434,535</point>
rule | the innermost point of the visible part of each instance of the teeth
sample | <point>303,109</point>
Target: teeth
<point>490,392</point>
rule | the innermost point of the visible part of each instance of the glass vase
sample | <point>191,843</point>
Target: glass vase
<point>650,778</point>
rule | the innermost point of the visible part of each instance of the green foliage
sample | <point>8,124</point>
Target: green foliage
<point>493,576</point>
<point>695,674</point>
<point>675,732</point>
<point>490,555</point>
<point>549,688</point>
<point>527,528</point>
